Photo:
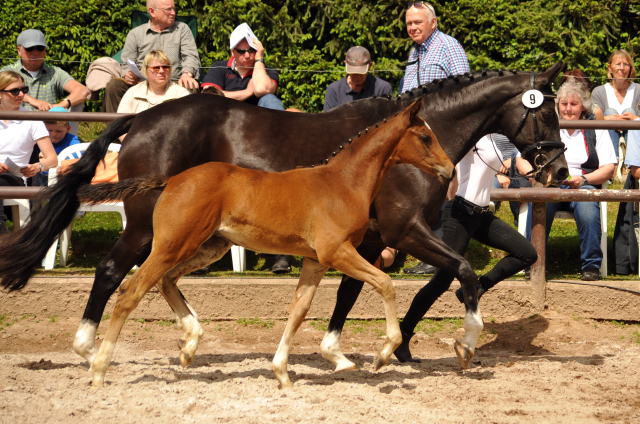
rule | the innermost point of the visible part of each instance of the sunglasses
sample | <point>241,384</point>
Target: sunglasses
<point>15,91</point>
<point>251,50</point>
<point>157,68</point>
<point>39,48</point>
<point>419,4</point>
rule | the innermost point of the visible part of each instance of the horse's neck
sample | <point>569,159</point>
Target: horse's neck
<point>365,161</point>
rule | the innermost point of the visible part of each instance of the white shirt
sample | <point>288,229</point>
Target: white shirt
<point>613,102</point>
<point>576,153</point>
<point>475,177</point>
<point>17,139</point>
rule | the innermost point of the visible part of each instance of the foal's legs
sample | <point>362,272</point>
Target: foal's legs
<point>312,273</point>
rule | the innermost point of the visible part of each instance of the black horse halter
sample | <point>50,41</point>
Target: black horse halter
<point>539,160</point>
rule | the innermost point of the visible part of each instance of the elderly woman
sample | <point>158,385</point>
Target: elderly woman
<point>618,99</point>
<point>158,87</point>
<point>591,162</point>
<point>17,139</point>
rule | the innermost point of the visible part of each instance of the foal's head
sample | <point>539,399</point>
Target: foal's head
<point>420,148</point>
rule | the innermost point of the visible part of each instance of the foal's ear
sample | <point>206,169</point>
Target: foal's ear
<point>414,109</point>
<point>550,74</point>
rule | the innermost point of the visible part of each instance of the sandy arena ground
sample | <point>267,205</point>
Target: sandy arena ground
<point>551,368</point>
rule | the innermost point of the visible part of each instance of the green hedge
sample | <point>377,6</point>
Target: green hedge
<point>313,35</point>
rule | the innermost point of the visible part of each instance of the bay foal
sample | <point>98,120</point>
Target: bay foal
<point>321,213</point>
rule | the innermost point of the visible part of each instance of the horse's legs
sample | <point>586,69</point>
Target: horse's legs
<point>211,251</point>
<point>346,259</point>
<point>348,293</point>
<point>132,248</point>
<point>312,273</point>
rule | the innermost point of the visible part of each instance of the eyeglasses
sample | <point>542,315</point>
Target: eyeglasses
<point>419,4</point>
<point>251,50</point>
<point>168,10</point>
<point>15,91</point>
<point>157,68</point>
<point>39,48</point>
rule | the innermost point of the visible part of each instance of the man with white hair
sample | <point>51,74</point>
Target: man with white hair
<point>358,84</point>
<point>162,32</point>
<point>245,75</point>
<point>434,54</point>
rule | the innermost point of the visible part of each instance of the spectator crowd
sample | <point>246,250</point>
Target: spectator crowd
<point>160,62</point>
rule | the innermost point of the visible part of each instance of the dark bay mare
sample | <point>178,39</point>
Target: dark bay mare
<point>184,133</point>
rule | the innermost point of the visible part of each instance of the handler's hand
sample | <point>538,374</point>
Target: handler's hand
<point>504,181</point>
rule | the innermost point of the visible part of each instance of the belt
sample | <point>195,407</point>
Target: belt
<point>472,208</point>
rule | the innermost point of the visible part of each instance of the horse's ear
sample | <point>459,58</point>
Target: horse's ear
<point>414,109</point>
<point>550,74</point>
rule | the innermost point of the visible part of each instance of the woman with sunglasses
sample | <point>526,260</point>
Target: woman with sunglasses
<point>17,139</point>
<point>618,99</point>
<point>157,89</point>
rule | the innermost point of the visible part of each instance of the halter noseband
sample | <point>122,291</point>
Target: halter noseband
<point>538,144</point>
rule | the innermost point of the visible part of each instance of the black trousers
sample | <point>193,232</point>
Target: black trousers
<point>459,226</point>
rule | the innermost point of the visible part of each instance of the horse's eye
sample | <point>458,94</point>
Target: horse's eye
<point>547,115</point>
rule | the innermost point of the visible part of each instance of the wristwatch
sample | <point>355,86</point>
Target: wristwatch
<point>585,180</point>
<point>261,60</point>
<point>188,73</point>
<point>41,166</point>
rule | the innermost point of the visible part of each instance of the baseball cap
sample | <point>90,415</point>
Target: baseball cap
<point>242,32</point>
<point>357,60</point>
<point>31,37</point>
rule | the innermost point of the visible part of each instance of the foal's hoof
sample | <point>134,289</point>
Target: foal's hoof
<point>463,353</point>
<point>378,362</point>
<point>185,359</point>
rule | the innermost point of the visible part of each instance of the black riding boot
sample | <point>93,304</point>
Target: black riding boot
<point>402,352</point>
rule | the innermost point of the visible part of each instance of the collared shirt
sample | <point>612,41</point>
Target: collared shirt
<point>475,172</point>
<point>48,86</point>
<point>223,75</point>
<point>340,92</point>
<point>439,56</point>
<point>577,153</point>
<point>137,98</point>
<point>17,139</point>
<point>176,41</point>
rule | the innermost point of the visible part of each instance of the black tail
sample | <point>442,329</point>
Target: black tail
<point>23,250</point>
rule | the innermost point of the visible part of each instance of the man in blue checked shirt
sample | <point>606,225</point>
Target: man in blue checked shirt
<point>435,54</point>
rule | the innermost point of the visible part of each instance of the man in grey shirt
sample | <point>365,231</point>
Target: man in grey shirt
<point>162,32</point>
<point>358,84</point>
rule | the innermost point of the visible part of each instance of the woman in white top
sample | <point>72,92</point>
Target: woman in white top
<point>465,217</point>
<point>618,99</point>
<point>158,87</point>
<point>591,162</point>
<point>17,139</point>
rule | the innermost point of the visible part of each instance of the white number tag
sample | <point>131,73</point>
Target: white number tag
<point>532,98</point>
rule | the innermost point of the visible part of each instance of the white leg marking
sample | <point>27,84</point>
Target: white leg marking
<point>84,343</point>
<point>192,336</point>
<point>330,349</point>
<point>472,328</point>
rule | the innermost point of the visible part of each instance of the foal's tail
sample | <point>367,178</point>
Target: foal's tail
<point>117,192</point>
<point>23,250</point>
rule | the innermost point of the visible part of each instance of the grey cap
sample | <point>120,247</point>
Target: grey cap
<point>357,60</point>
<point>31,37</point>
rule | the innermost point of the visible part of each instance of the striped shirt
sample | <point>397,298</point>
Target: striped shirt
<point>47,86</point>
<point>438,57</point>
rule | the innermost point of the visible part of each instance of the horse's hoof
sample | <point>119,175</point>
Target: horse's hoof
<point>345,366</point>
<point>378,362</point>
<point>181,343</point>
<point>285,384</point>
<point>185,359</point>
<point>463,353</point>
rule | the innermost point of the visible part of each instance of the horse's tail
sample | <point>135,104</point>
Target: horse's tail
<point>23,250</point>
<point>116,192</point>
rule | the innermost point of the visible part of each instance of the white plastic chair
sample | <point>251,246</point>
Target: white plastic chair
<point>522,227</point>
<point>75,152</point>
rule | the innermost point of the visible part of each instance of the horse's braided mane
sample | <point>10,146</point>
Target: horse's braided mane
<point>428,88</point>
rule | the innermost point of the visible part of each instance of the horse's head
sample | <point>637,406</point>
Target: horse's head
<point>420,148</point>
<point>535,131</point>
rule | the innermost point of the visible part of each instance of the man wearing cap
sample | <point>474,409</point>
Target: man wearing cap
<point>245,76</point>
<point>162,32</point>
<point>47,84</point>
<point>434,54</point>
<point>358,84</point>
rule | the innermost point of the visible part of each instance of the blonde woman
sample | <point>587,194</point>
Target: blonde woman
<point>158,87</point>
<point>17,139</point>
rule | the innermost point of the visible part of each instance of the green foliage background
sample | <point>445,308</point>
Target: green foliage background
<point>313,35</point>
